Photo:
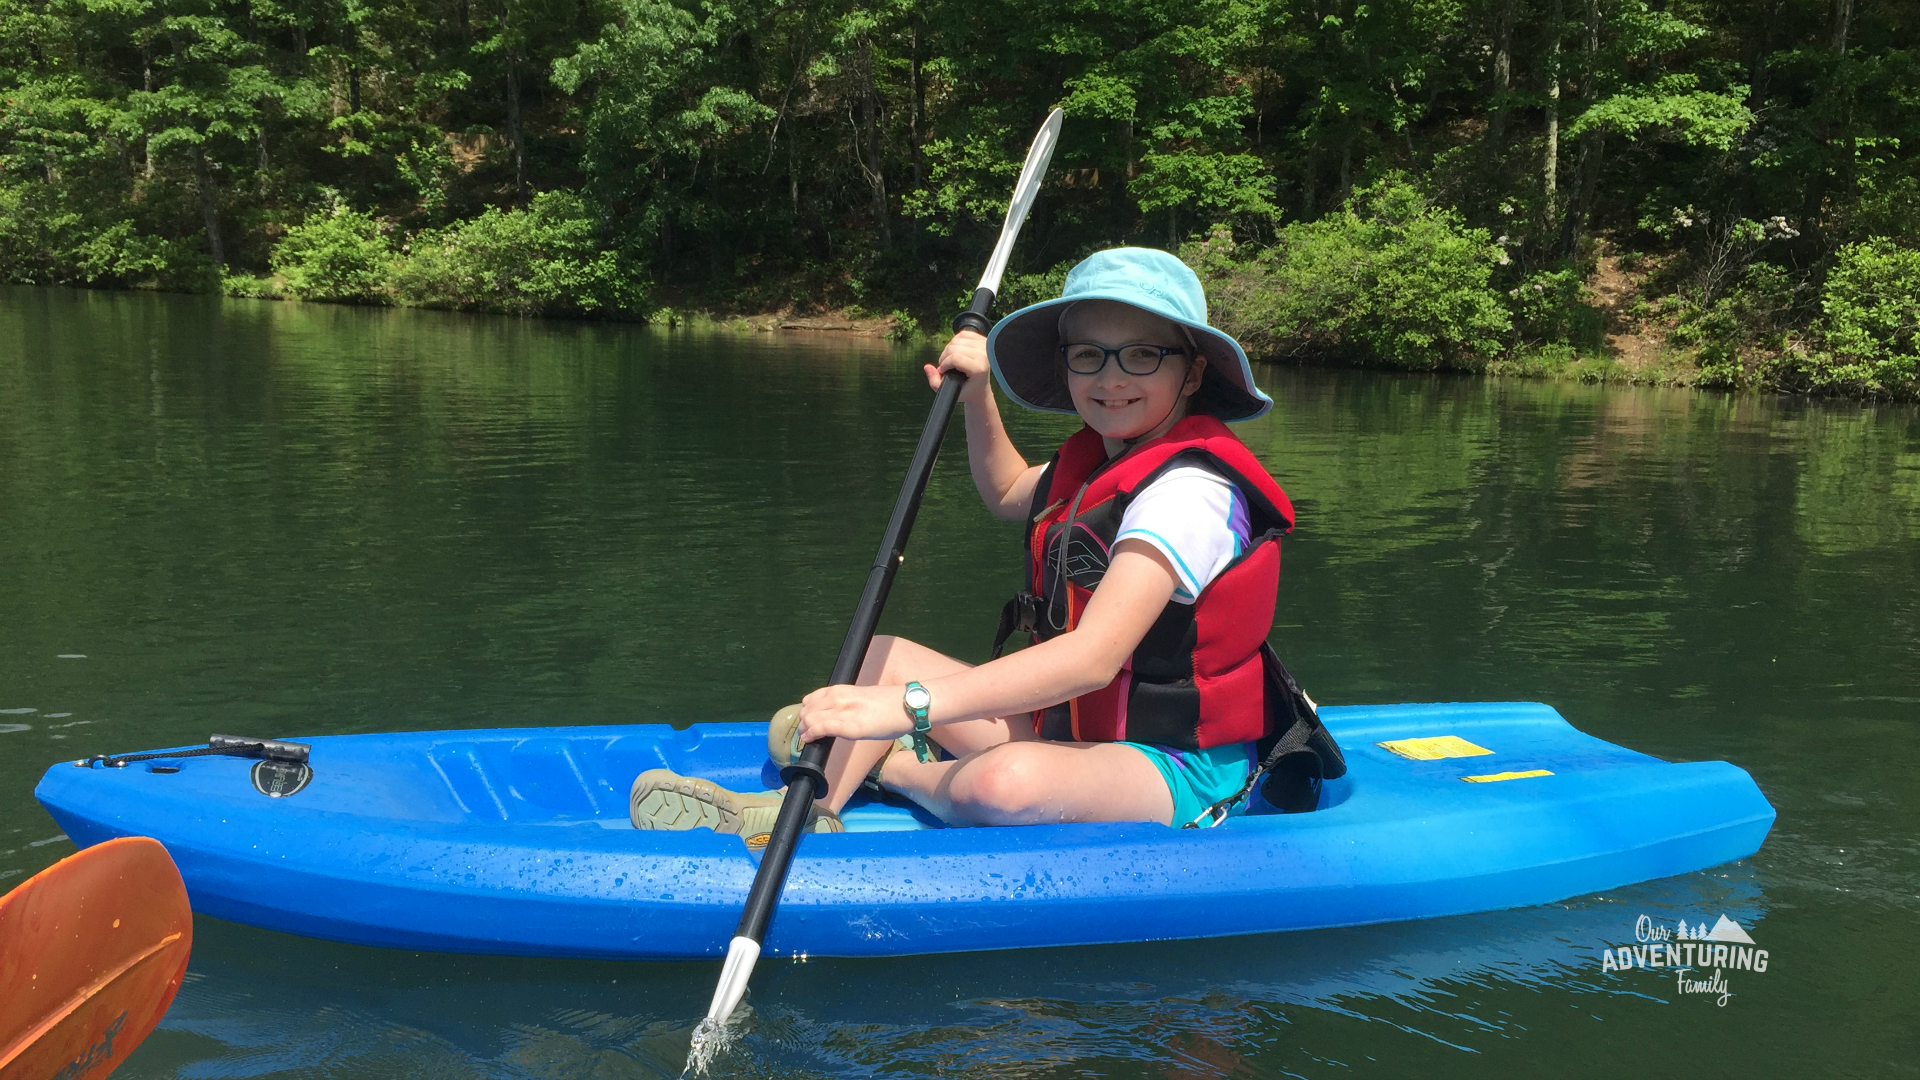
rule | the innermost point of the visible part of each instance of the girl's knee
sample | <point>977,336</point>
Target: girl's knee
<point>1005,786</point>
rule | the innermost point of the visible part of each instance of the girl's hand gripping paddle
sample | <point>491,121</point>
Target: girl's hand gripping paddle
<point>92,950</point>
<point>806,778</point>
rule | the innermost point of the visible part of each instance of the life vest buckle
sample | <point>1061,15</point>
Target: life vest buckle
<point>1022,613</point>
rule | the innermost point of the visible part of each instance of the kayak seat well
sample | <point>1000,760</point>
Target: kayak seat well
<point>564,780</point>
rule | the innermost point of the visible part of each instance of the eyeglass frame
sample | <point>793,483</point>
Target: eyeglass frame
<point>1112,356</point>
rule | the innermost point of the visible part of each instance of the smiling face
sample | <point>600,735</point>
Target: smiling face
<point>1122,406</point>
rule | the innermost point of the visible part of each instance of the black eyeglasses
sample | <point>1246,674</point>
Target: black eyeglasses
<point>1086,358</point>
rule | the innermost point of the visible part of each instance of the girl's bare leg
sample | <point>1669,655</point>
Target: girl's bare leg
<point>894,660</point>
<point>1033,782</point>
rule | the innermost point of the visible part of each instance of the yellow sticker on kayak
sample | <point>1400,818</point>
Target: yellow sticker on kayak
<point>1434,747</point>
<point>1490,778</point>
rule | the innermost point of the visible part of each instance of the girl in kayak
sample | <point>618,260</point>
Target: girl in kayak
<point>1152,566</point>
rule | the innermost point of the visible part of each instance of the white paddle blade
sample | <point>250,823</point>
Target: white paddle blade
<point>712,1036</point>
<point>1024,190</point>
<point>742,952</point>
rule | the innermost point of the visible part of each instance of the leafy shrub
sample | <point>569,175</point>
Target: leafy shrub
<point>1740,335</point>
<point>252,288</point>
<point>546,258</point>
<point>1388,279</point>
<point>1550,306</point>
<point>43,241</point>
<point>338,256</point>
<point>1870,319</point>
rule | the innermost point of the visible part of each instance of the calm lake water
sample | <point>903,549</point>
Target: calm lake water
<point>278,518</point>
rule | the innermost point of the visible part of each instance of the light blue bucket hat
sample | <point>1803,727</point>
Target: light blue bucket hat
<point>1024,347</point>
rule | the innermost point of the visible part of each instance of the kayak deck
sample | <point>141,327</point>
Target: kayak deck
<point>516,841</point>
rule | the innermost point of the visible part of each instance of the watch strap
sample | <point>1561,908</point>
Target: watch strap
<point>922,749</point>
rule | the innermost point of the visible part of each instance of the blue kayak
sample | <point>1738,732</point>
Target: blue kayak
<point>516,841</point>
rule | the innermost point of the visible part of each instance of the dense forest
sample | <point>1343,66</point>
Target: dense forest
<point>1418,183</point>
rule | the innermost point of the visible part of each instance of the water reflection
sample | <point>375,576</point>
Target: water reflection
<point>260,1003</point>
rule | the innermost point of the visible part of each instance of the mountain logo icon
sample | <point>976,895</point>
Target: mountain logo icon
<point>1724,930</point>
<point>1728,930</point>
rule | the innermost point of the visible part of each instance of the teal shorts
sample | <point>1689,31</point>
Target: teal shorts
<point>1199,778</point>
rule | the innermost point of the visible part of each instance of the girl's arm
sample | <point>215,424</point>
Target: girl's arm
<point>1004,478</point>
<point>1137,586</point>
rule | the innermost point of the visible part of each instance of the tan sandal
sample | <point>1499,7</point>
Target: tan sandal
<point>783,736</point>
<point>663,799</point>
<point>872,780</point>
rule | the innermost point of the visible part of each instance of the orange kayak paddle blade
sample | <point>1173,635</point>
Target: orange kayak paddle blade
<point>92,950</point>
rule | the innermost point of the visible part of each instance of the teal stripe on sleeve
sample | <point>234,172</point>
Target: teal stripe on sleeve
<point>1188,581</point>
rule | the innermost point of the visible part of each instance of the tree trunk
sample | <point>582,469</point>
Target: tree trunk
<point>209,199</point>
<point>513,131</point>
<point>1761,36</point>
<point>870,118</point>
<point>353,69</point>
<point>146,83</point>
<point>786,97</point>
<point>1586,178</point>
<point>1814,193</point>
<point>1551,162</point>
<point>919,111</point>
<point>1502,74</point>
<point>1310,182</point>
<point>666,236</point>
<point>1850,151</point>
<point>515,137</point>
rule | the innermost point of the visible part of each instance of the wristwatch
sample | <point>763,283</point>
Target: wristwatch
<point>917,700</point>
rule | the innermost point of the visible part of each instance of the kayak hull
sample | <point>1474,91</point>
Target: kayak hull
<point>515,841</point>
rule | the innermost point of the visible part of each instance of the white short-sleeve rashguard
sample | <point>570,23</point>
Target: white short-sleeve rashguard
<point>1197,519</point>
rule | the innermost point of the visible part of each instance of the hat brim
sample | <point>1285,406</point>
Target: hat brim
<point>1024,350</point>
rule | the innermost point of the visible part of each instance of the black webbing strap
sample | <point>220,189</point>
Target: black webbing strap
<point>1020,613</point>
<point>1295,741</point>
<point>1304,755</point>
<point>225,745</point>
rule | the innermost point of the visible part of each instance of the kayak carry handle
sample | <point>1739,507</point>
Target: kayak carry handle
<point>226,745</point>
<point>271,749</point>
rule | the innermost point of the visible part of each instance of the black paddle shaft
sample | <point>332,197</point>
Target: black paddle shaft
<point>806,779</point>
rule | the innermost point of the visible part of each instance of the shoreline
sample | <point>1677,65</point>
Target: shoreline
<point>1639,353</point>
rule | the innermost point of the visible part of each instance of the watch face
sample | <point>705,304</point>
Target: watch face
<point>919,698</point>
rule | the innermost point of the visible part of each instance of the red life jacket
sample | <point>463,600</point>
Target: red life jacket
<point>1197,679</point>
